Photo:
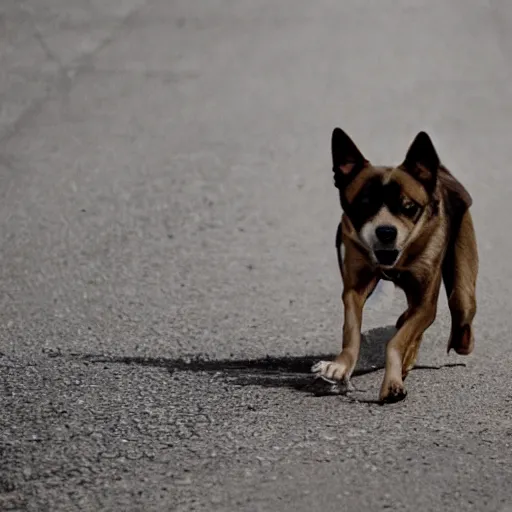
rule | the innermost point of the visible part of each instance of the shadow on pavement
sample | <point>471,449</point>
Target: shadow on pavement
<point>273,372</point>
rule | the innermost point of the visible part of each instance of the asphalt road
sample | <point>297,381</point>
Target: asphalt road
<point>168,273</point>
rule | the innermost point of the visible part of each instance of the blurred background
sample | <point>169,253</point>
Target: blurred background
<point>166,194</point>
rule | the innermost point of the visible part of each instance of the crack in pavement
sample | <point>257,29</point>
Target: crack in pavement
<point>64,81</point>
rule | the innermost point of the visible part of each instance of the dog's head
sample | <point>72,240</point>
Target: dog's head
<point>387,206</point>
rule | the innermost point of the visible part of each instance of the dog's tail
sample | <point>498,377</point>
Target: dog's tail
<point>382,297</point>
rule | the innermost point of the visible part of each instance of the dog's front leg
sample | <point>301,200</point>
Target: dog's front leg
<point>402,348</point>
<point>343,365</point>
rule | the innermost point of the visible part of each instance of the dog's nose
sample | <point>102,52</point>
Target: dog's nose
<point>386,234</point>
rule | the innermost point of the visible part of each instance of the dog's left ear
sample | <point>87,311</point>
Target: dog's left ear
<point>422,161</point>
<point>347,160</point>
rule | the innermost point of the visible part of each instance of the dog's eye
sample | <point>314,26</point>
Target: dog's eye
<point>410,209</point>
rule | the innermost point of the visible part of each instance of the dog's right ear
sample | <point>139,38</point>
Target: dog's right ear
<point>347,160</point>
<point>422,161</point>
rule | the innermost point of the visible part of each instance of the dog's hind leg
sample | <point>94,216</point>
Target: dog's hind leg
<point>460,268</point>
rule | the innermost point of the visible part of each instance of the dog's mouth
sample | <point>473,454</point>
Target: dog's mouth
<point>386,257</point>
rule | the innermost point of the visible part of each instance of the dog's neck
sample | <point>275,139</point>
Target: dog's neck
<point>391,274</point>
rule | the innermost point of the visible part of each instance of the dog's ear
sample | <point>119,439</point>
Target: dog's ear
<point>422,161</point>
<point>347,160</point>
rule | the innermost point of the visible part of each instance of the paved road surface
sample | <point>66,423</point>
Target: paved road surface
<point>167,266</point>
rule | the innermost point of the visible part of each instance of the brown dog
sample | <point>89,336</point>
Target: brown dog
<point>410,225</point>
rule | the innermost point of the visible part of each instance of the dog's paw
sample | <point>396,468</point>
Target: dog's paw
<point>332,372</point>
<point>392,391</point>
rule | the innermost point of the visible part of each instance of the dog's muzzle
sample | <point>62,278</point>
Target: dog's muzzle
<point>386,257</point>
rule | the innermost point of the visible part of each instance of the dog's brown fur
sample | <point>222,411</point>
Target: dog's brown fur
<point>435,232</point>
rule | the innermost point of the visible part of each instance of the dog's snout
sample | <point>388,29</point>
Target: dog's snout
<point>386,234</point>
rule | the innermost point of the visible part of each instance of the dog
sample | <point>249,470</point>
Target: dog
<point>411,225</point>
